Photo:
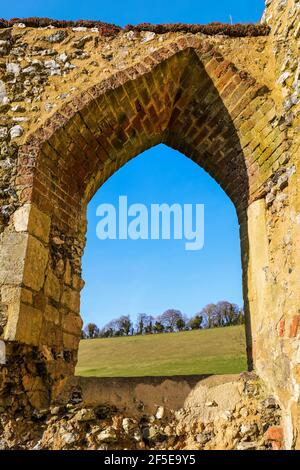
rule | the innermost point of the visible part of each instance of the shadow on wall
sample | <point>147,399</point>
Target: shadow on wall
<point>208,395</point>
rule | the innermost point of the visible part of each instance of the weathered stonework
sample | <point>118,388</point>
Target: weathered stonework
<point>75,106</point>
<point>221,412</point>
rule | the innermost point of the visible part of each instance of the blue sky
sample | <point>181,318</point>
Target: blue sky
<point>131,277</point>
<point>138,11</point>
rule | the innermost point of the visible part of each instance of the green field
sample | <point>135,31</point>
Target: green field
<point>216,351</point>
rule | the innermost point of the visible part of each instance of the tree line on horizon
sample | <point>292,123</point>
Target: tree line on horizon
<point>217,315</point>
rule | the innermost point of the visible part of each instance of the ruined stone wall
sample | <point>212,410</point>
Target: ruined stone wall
<point>75,106</point>
<point>222,412</point>
<point>278,329</point>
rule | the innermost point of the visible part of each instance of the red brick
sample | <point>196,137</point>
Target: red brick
<point>274,433</point>
<point>294,326</point>
<point>277,445</point>
<point>26,195</point>
<point>281,328</point>
<point>25,180</point>
<point>212,65</point>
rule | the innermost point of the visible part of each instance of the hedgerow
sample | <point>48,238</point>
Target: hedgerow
<point>108,29</point>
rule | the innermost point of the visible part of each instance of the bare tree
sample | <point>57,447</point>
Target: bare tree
<point>221,314</point>
<point>209,315</point>
<point>228,312</point>
<point>124,323</point>
<point>91,330</point>
<point>170,318</point>
<point>118,327</point>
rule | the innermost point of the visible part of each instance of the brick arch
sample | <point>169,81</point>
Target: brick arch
<point>187,96</point>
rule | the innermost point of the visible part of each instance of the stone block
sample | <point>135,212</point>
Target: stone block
<point>72,324</point>
<point>29,325</point>
<point>21,218</point>
<point>39,224</point>
<point>24,324</point>
<point>77,282</point>
<point>36,262</point>
<point>12,257</point>
<point>52,314</point>
<point>10,294</point>
<point>71,299</point>
<point>10,329</point>
<point>29,218</point>
<point>52,285</point>
<point>68,273</point>
<point>70,342</point>
<point>49,334</point>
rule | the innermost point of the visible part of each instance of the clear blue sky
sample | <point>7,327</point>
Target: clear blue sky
<point>130,277</point>
<point>138,11</point>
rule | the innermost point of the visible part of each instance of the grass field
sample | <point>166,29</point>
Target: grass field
<point>216,351</point>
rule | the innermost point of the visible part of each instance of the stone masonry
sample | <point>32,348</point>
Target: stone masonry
<point>76,105</point>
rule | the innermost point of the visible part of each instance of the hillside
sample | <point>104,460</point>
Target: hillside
<point>216,351</point>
